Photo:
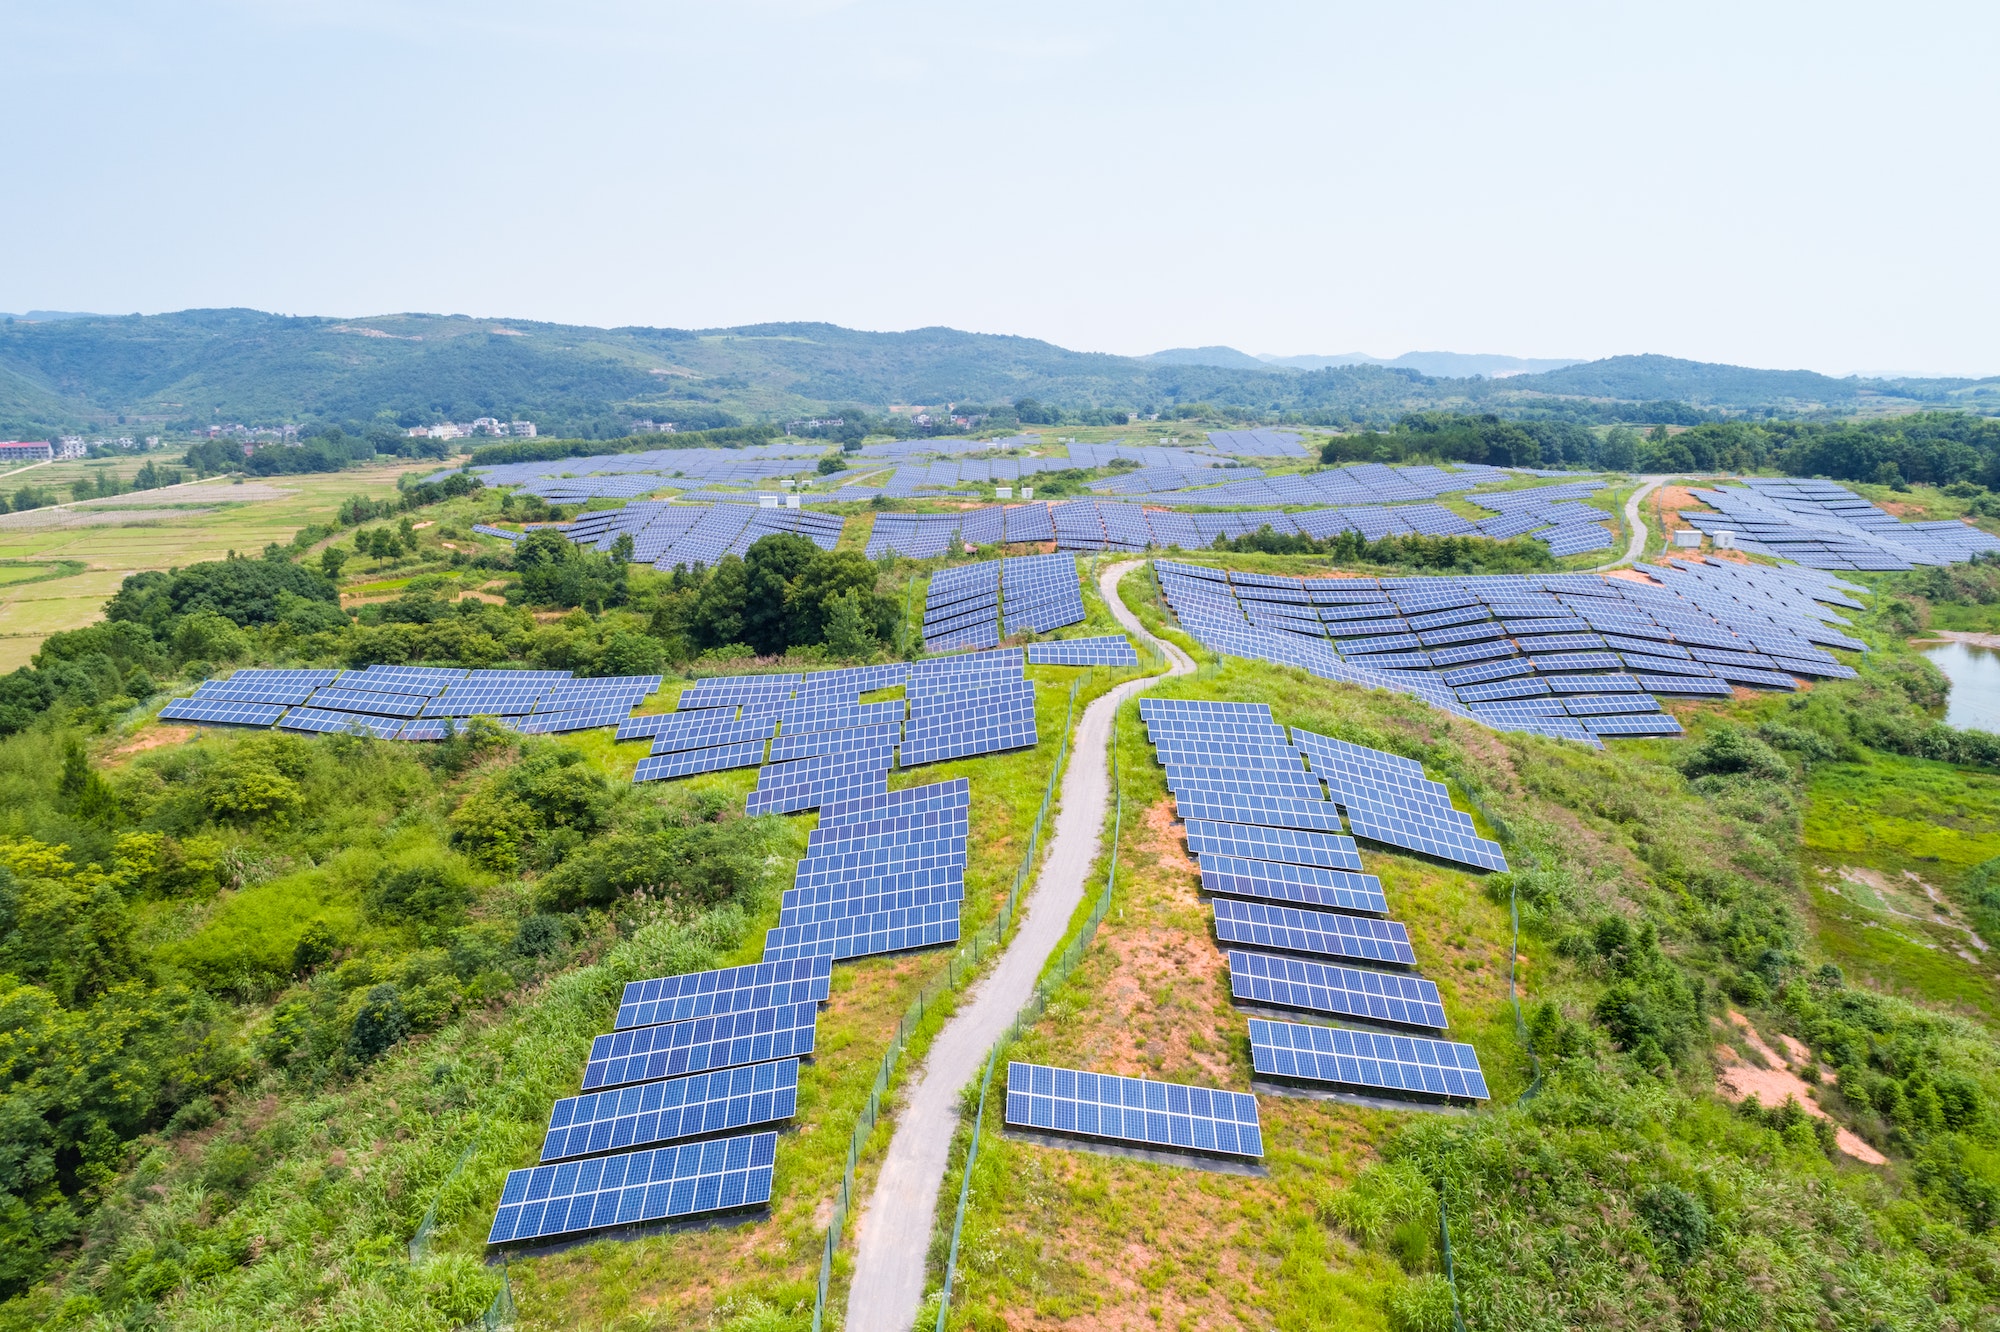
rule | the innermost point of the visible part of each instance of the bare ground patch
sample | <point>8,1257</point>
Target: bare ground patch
<point>1739,1080</point>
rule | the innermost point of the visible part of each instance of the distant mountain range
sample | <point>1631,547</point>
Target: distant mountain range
<point>1443,365</point>
<point>63,373</point>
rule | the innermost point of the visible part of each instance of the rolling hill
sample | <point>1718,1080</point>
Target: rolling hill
<point>188,369</point>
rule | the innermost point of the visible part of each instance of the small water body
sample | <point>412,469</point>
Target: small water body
<point>1974,673</point>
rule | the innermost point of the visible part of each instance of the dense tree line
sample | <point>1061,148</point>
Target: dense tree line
<point>1937,448</point>
<point>320,449</point>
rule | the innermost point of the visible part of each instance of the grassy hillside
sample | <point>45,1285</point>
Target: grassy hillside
<point>198,366</point>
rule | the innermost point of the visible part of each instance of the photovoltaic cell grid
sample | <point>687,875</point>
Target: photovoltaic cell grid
<point>1252,842</point>
<point>1387,799</point>
<point>1338,991</point>
<point>1710,623</point>
<point>1139,1111</point>
<point>752,1036</point>
<point>1297,930</point>
<point>648,1113</point>
<point>1305,885</point>
<point>687,762</point>
<point>635,1187</point>
<point>1366,1061</point>
<point>728,990</point>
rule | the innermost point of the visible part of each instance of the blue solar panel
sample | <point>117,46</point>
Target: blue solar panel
<point>1685,684</point>
<point>787,788</point>
<point>1136,1110</point>
<point>750,1036</point>
<point>1295,784</point>
<point>807,744</point>
<point>285,692</point>
<point>377,705</point>
<point>580,718</point>
<point>1265,811</point>
<point>634,1187</point>
<point>696,994</point>
<point>686,762</point>
<point>808,715</point>
<point>909,800</point>
<point>1188,731</point>
<point>964,735</point>
<point>1654,724</point>
<point>1297,930</point>
<point>339,723</point>
<point>1282,881</point>
<point>889,931</point>
<point>1251,842</point>
<point>648,1113</point>
<point>1387,799</point>
<point>422,729</point>
<point>698,731</point>
<point>1324,987</point>
<point>917,825</point>
<point>1366,1061</point>
<point>1113,650</point>
<point>222,713</point>
<point>1594,705</point>
<point>929,706</point>
<point>826,890</point>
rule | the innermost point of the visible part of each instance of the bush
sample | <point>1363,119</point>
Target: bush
<point>378,1024</point>
<point>1730,751</point>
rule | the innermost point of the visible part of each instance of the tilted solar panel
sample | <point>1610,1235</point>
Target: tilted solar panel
<point>749,1036</point>
<point>648,1113</point>
<point>953,794</point>
<point>696,994</point>
<point>223,713</point>
<point>687,762</point>
<point>634,1187</point>
<point>1366,1061</point>
<point>808,744</point>
<point>1281,881</point>
<point>1295,784</point>
<point>314,720</point>
<point>696,731</point>
<point>1251,842</point>
<point>1323,987</point>
<point>1265,811</point>
<point>890,931</point>
<point>1135,1110</point>
<point>377,705</point>
<point>1292,929</point>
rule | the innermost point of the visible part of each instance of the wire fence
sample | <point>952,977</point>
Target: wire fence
<point>1030,1014</point>
<point>958,968</point>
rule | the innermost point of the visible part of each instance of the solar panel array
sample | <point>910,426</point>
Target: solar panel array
<point>691,1056</point>
<point>666,534</point>
<point>1367,1062</point>
<point>1137,1111</point>
<point>1302,925</point>
<point>923,535</point>
<point>1486,647</point>
<point>1824,525</point>
<point>408,702</point>
<point>965,605</point>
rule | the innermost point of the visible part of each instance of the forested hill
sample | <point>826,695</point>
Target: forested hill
<point>200,366</point>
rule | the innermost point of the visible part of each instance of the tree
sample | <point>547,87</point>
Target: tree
<point>770,567</point>
<point>331,561</point>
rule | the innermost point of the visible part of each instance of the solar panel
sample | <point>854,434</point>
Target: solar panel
<point>1591,705</point>
<point>579,718</point>
<point>1113,650</point>
<point>286,692</point>
<point>1210,709</point>
<point>1366,1061</point>
<point>909,800</point>
<point>421,729</point>
<point>889,931</point>
<point>1323,987</point>
<point>687,762</point>
<point>1294,785</point>
<point>339,723</point>
<point>1296,930</point>
<point>1195,730</point>
<point>696,994</point>
<point>1684,684</point>
<point>749,1036</point>
<point>861,882</point>
<point>1251,842</point>
<point>1135,1110</point>
<point>221,713</point>
<point>1264,811</point>
<point>786,788</point>
<point>990,729</point>
<point>374,704</point>
<point>1653,724</point>
<point>1280,881</point>
<point>928,704</point>
<point>807,744</point>
<point>633,1187</point>
<point>814,715</point>
<point>696,731</point>
<point>647,1113</point>
<point>1262,756</point>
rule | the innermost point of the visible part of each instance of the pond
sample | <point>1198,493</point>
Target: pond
<point>1974,673</point>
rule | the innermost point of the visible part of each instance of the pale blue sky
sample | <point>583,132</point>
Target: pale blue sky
<point>1773,184</point>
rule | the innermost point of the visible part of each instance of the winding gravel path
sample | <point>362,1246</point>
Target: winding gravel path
<point>894,1229</point>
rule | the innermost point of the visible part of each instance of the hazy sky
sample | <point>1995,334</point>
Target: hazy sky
<point>1777,185</point>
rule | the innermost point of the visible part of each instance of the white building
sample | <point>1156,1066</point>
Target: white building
<point>25,451</point>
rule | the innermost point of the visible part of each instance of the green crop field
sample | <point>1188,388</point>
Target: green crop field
<point>156,529</point>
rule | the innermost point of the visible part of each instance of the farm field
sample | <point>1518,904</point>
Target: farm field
<point>155,529</point>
